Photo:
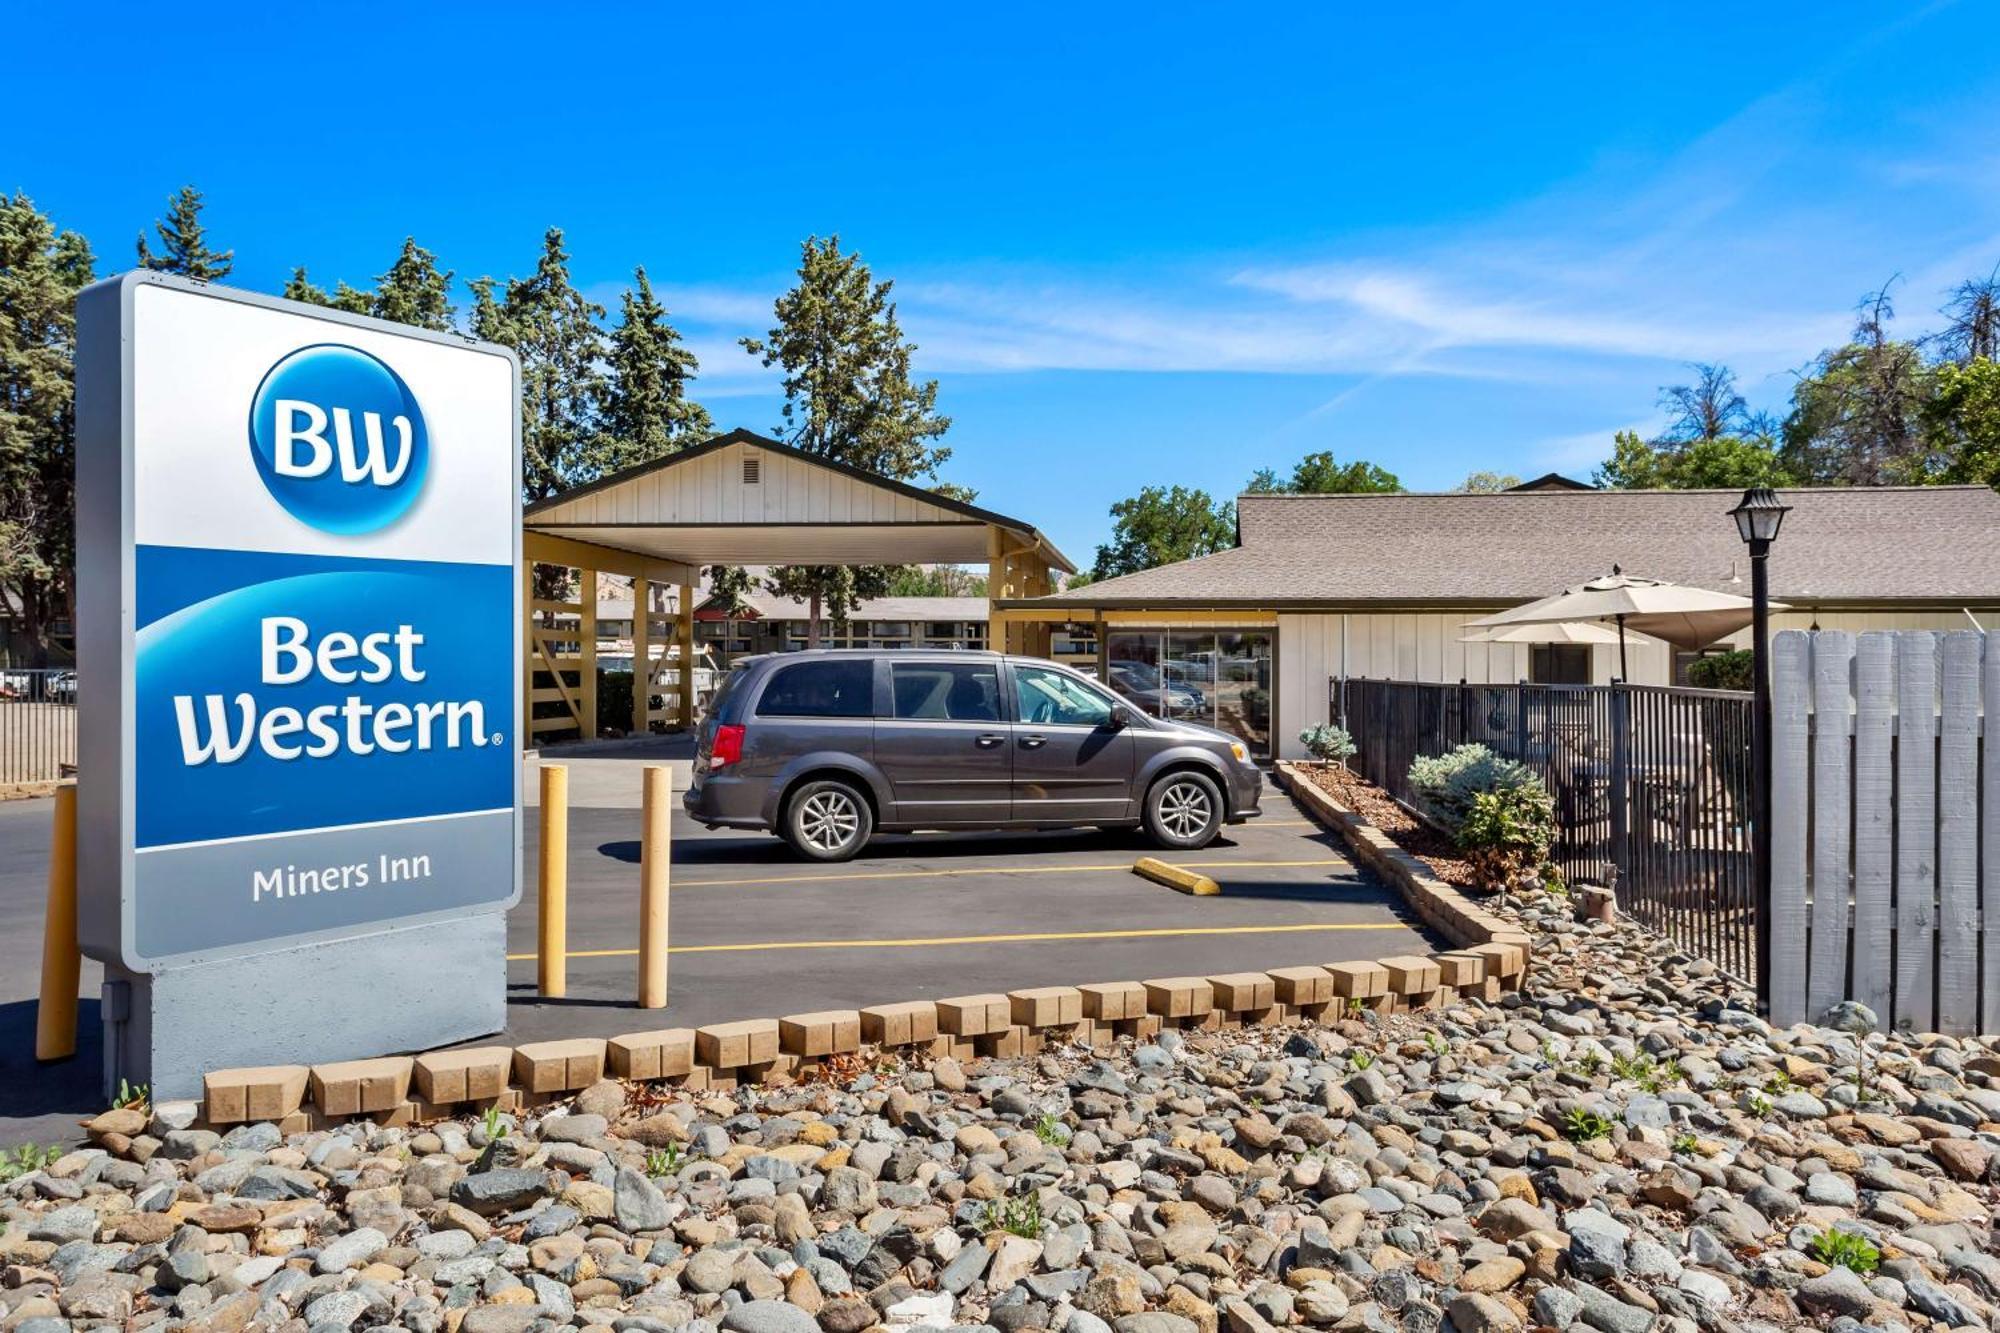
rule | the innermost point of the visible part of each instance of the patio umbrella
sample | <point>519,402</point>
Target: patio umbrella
<point>1686,617</point>
<point>1561,631</point>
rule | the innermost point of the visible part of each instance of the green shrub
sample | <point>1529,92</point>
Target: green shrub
<point>1722,671</point>
<point>1581,1126</point>
<point>1497,811</point>
<point>1327,743</point>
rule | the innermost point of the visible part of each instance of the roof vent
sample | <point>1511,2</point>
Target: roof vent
<point>753,469</point>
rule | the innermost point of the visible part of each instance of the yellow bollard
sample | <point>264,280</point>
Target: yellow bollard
<point>55,1016</point>
<point>655,854</point>
<point>553,951</point>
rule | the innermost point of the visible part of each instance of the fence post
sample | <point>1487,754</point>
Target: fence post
<point>55,1016</point>
<point>1621,745</point>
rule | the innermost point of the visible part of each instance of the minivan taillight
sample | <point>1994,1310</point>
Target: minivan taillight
<point>728,747</point>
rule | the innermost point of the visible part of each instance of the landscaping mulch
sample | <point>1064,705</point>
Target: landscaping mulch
<point>1386,813</point>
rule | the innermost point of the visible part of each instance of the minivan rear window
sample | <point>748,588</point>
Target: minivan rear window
<point>842,688</point>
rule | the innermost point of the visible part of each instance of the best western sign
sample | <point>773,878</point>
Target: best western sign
<point>298,537</point>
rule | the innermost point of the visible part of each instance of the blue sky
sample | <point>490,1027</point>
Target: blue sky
<point>1137,244</point>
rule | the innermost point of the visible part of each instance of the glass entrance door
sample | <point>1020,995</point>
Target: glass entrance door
<point>1220,678</point>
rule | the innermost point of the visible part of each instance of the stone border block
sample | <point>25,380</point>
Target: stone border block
<point>362,1087</point>
<point>1046,1006</point>
<point>1302,988</point>
<point>1179,997</point>
<point>911,1023</point>
<point>476,1074</point>
<point>1111,1001</point>
<point>260,1092</point>
<point>974,1015</point>
<point>559,1066</point>
<point>825,1032</point>
<point>1242,992</point>
<point>737,1046</point>
<point>645,1056</point>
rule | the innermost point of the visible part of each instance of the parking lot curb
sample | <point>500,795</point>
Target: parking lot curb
<point>1174,877</point>
<point>1488,956</point>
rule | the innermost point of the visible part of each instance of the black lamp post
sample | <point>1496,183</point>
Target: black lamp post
<point>1759,515</point>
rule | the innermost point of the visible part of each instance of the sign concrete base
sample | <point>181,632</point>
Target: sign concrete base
<point>347,999</point>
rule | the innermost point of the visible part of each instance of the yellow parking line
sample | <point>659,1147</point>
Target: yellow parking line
<point>944,940</point>
<point>984,870</point>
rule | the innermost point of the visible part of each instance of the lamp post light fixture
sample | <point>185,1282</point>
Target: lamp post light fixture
<point>1759,515</point>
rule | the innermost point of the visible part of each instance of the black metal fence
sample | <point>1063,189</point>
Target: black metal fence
<point>1652,786</point>
<point>37,724</point>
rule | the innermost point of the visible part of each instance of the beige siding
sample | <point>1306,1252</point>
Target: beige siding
<point>1425,646</point>
<point>712,490</point>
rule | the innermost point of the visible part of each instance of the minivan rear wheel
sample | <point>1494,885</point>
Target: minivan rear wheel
<point>1184,810</point>
<point>827,820</point>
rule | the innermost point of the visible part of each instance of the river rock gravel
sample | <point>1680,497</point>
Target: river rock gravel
<point>1622,1146</point>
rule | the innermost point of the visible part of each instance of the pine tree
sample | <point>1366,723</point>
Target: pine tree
<point>299,287</point>
<point>41,271</point>
<point>849,398</point>
<point>414,291</point>
<point>647,413</point>
<point>184,242</point>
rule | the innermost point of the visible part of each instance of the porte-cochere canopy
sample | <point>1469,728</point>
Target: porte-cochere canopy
<point>738,499</point>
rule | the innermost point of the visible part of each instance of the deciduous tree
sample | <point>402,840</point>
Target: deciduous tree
<point>1161,525</point>
<point>1488,483</point>
<point>1321,474</point>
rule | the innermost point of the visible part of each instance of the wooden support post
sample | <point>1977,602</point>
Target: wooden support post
<point>655,858</point>
<point>586,653</point>
<point>642,657</point>
<point>55,1016</point>
<point>553,916</point>
<point>685,637</point>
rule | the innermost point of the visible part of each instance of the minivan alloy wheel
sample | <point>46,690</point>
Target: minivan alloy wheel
<point>1184,808</point>
<point>829,819</point>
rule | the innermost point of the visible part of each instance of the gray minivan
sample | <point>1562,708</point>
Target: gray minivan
<point>827,748</point>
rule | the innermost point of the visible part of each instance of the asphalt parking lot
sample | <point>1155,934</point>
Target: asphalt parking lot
<point>756,932</point>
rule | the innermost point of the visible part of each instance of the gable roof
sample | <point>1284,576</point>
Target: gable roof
<point>842,510</point>
<point>1938,544</point>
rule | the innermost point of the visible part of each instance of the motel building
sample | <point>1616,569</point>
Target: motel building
<point>1320,586</point>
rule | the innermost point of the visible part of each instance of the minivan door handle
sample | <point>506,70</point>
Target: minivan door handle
<point>986,740</point>
<point>1033,742</point>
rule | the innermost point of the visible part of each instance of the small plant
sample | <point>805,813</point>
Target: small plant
<point>1549,1056</point>
<point>1661,1077</point>
<point>663,1161</point>
<point>1761,1104</point>
<point>493,1124</point>
<point>1553,882</point>
<point>1435,1040</point>
<point>1633,1067</point>
<point>1722,671</point>
<point>1327,743</point>
<point>1581,1126</point>
<point>1687,1145</point>
<point>1020,1216</point>
<point>1845,1249</point>
<point>1778,1084</point>
<point>135,1095</point>
<point>1054,1132</point>
<point>1498,811</point>
<point>1355,1007</point>
<point>1590,1062</point>
<point>1360,1060</point>
<point>26,1159</point>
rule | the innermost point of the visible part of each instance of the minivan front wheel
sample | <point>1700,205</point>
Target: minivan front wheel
<point>827,820</point>
<point>1184,811</point>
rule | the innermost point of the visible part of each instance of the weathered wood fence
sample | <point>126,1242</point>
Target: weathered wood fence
<point>1885,861</point>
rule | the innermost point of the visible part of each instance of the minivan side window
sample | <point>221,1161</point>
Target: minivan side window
<point>946,691</point>
<point>1054,698</point>
<point>840,688</point>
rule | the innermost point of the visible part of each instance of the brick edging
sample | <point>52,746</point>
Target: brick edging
<point>1491,956</point>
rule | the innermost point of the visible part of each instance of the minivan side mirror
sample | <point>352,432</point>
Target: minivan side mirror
<point>1119,720</point>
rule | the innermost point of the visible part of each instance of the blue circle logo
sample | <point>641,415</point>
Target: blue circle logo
<point>338,439</point>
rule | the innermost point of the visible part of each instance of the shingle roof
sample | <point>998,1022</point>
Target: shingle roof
<point>1859,544</point>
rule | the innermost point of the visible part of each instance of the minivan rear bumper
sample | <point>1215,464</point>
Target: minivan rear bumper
<point>728,801</point>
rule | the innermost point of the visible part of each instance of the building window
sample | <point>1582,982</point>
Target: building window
<point>1559,664</point>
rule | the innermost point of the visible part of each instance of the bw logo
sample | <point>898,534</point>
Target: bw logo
<point>338,439</point>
